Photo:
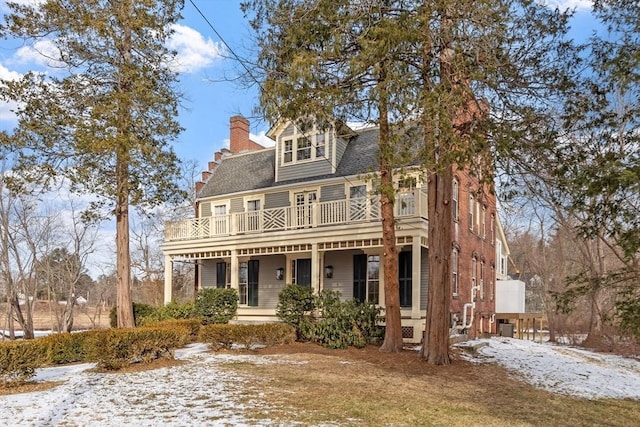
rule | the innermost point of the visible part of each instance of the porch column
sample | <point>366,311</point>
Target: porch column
<point>235,280</point>
<point>416,263</point>
<point>316,268</point>
<point>168,278</point>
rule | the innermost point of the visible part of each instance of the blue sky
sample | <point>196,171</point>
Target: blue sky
<point>206,67</point>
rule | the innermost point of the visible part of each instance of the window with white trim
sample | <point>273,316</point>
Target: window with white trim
<point>454,199</point>
<point>481,282</point>
<point>492,229</point>
<point>454,272</point>
<point>243,282</point>
<point>483,222</point>
<point>472,208</point>
<point>288,151</point>
<point>373,278</point>
<point>474,265</point>
<point>320,145</point>
<point>303,148</point>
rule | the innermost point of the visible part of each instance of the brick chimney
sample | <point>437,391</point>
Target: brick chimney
<point>239,136</point>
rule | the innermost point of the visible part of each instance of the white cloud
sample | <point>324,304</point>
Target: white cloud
<point>194,51</point>
<point>6,113</point>
<point>43,52</point>
<point>569,4</point>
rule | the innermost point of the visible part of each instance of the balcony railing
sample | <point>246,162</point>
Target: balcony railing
<point>318,214</point>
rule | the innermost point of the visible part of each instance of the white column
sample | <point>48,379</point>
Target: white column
<point>235,279</point>
<point>168,278</point>
<point>316,268</point>
<point>416,262</point>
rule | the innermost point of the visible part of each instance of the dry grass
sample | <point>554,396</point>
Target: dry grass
<point>366,387</point>
<point>44,319</point>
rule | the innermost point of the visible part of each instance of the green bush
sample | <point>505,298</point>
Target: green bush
<point>66,347</point>
<point>215,305</point>
<point>113,349</point>
<point>295,305</point>
<point>171,310</point>
<point>220,336</point>
<point>20,359</point>
<point>339,324</point>
<point>140,311</point>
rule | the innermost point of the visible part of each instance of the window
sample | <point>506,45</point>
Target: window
<point>243,280</point>
<point>220,219</point>
<point>303,151</point>
<point>454,272</point>
<point>483,222</point>
<point>481,283</point>
<point>288,150</point>
<point>491,279</point>
<point>320,145</point>
<point>366,278</point>
<point>454,200</point>
<point>474,265</point>
<point>373,278</point>
<point>405,278</point>
<point>472,208</point>
<point>253,215</point>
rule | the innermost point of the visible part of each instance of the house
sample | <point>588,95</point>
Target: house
<point>305,212</point>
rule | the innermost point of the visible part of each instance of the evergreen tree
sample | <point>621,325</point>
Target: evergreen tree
<point>480,79</point>
<point>105,114</point>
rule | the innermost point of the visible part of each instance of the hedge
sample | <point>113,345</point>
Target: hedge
<point>224,336</point>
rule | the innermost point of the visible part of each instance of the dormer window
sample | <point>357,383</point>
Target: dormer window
<point>320,145</point>
<point>288,150</point>
<point>304,148</point>
<point>297,146</point>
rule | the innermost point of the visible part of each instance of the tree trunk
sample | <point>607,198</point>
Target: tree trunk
<point>436,336</point>
<point>123,259</point>
<point>123,256</point>
<point>393,328</point>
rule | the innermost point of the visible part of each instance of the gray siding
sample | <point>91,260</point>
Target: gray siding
<point>276,200</point>
<point>268,286</point>
<point>288,130</point>
<point>342,280</point>
<point>236,205</point>
<point>304,170</point>
<point>424,278</point>
<point>332,192</point>
<point>208,273</point>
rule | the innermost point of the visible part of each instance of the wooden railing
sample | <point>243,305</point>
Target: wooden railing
<point>319,214</point>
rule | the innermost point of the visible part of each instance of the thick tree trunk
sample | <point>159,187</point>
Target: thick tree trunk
<point>436,337</point>
<point>393,328</point>
<point>123,259</point>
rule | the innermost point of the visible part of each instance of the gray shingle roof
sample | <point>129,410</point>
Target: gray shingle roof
<point>256,170</point>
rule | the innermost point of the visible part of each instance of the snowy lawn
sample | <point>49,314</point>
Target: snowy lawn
<point>201,391</point>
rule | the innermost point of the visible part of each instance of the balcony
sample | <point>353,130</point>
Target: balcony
<point>319,214</point>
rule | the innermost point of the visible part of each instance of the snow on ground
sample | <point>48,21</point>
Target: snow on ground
<point>563,369</point>
<point>201,392</point>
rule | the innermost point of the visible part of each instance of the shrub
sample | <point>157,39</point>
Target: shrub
<point>66,347</point>
<point>215,305</point>
<point>295,305</point>
<point>340,324</point>
<point>20,359</point>
<point>139,311</point>
<point>113,349</point>
<point>171,310</point>
<point>189,327</point>
<point>269,334</point>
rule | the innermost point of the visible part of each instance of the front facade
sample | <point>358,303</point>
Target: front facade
<point>305,212</point>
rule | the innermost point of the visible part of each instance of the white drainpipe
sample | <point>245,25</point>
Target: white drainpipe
<point>464,325</point>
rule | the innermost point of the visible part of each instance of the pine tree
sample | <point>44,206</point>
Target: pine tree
<point>105,113</point>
